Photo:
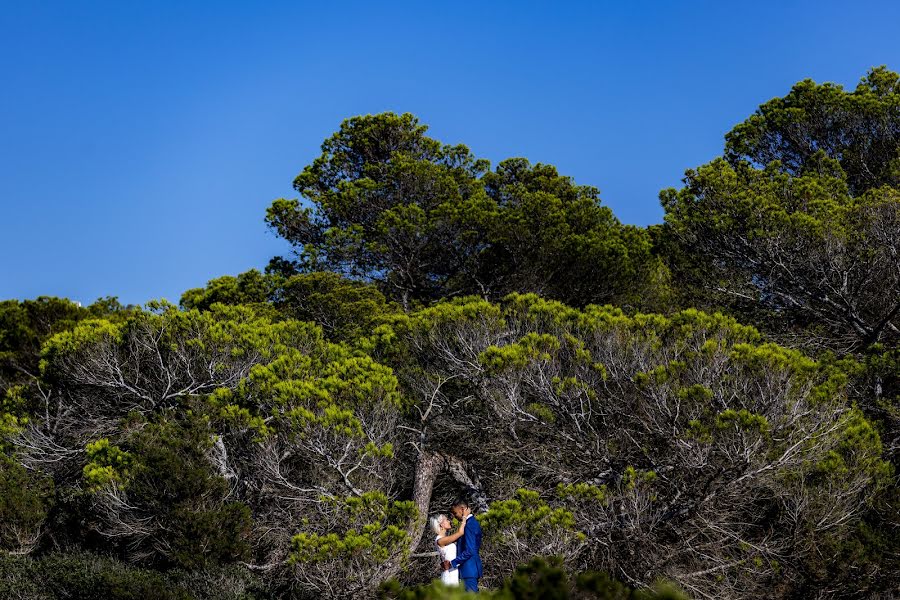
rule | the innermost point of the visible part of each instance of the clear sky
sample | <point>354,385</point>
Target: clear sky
<point>141,142</point>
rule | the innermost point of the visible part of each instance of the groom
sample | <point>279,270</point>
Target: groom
<point>467,560</point>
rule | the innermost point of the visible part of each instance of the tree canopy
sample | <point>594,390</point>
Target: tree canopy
<point>386,203</point>
<point>859,129</point>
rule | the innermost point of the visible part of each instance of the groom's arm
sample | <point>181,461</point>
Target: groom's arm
<point>471,546</point>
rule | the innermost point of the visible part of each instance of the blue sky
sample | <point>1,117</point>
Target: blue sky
<point>141,142</point>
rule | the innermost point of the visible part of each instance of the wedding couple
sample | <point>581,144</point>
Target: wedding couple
<point>462,562</point>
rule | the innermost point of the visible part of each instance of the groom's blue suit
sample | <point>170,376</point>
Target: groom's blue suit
<point>467,560</point>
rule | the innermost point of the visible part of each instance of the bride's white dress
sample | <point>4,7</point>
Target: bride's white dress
<point>448,552</point>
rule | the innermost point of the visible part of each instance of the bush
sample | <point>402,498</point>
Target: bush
<point>86,576</point>
<point>541,579</point>
<point>24,501</point>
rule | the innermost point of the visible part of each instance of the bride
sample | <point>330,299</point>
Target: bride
<point>446,545</point>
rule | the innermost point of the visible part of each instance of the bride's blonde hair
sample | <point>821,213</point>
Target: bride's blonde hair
<point>436,524</point>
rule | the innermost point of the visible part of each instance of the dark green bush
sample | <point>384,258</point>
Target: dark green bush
<point>540,579</point>
<point>24,501</point>
<point>87,576</point>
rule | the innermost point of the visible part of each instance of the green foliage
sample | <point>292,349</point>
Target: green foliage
<point>165,474</point>
<point>633,478</point>
<point>107,465</point>
<point>372,536</point>
<point>742,420</point>
<point>582,491</point>
<point>879,378</point>
<point>533,346</point>
<point>173,479</point>
<point>858,448</point>
<point>86,576</point>
<point>251,287</point>
<point>211,535</point>
<point>773,237</point>
<point>90,332</point>
<point>25,499</point>
<point>813,122</point>
<point>552,236</point>
<point>82,577</point>
<point>301,392</point>
<point>378,544</point>
<point>687,414</point>
<point>436,323</point>
<point>544,579</point>
<point>239,417</point>
<point>526,513</point>
<point>13,414</point>
<point>26,325</point>
<point>343,308</point>
<point>525,526</point>
<point>426,221</point>
<point>602,586</point>
<point>160,350</point>
<point>796,230</point>
<point>416,181</point>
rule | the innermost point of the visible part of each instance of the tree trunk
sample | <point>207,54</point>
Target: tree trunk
<point>428,466</point>
<point>470,482</point>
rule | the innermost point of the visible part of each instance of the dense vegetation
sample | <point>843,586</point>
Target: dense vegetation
<point>710,402</point>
